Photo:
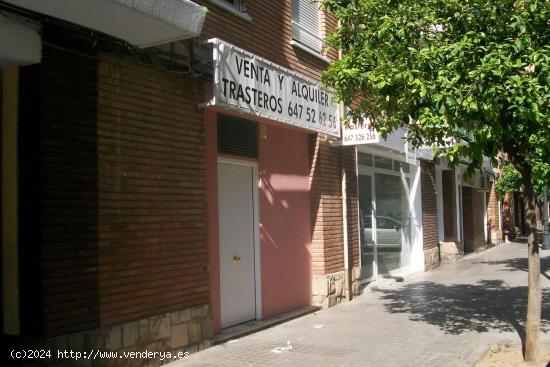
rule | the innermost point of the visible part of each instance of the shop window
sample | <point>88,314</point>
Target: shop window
<point>468,179</point>
<point>485,182</point>
<point>364,159</point>
<point>305,24</point>
<point>382,162</point>
<point>237,136</point>
<point>397,166</point>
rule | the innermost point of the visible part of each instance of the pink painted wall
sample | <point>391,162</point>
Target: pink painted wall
<point>284,201</point>
<point>285,234</point>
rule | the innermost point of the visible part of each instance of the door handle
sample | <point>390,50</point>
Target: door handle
<point>236,259</point>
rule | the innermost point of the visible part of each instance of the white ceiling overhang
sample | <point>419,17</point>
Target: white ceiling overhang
<point>20,43</point>
<point>142,23</point>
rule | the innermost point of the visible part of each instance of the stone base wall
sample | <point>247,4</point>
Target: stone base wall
<point>184,332</point>
<point>356,281</point>
<point>431,258</point>
<point>328,290</point>
<point>451,251</point>
<point>495,237</point>
<point>480,246</point>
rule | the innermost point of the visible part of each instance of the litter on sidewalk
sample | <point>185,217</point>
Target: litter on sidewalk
<point>282,349</point>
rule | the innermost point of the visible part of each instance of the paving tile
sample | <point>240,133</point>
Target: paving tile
<point>443,318</point>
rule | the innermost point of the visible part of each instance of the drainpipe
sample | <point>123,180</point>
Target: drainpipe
<point>347,269</point>
<point>347,273</point>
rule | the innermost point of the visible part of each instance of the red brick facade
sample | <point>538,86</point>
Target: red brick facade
<point>429,205</point>
<point>327,251</point>
<point>120,180</point>
<point>327,210</point>
<point>152,198</point>
<point>58,195</point>
<point>268,34</point>
<point>350,165</point>
<point>429,214</point>
<point>449,205</point>
<point>493,217</point>
<point>116,171</point>
<point>468,223</point>
<point>118,166</point>
<point>472,219</point>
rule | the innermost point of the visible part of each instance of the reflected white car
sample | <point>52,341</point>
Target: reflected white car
<point>388,233</point>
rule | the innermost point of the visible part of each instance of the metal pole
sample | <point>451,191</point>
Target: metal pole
<point>546,233</point>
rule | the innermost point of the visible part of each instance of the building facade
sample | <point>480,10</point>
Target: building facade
<point>160,187</point>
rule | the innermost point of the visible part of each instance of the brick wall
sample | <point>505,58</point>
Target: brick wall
<point>326,210</point>
<point>58,195</point>
<point>472,220</point>
<point>519,214</point>
<point>468,219</point>
<point>478,219</point>
<point>112,198</point>
<point>330,282</point>
<point>429,205</point>
<point>508,222</point>
<point>327,219</point>
<point>152,193</point>
<point>449,205</point>
<point>350,166</point>
<point>267,35</point>
<point>429,215</point>
<point>493,224</point>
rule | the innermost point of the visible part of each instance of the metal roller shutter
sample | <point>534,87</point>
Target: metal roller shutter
<point>305,23</point>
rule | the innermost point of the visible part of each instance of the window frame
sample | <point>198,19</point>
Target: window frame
<point>236,9</point>
<point>299,43</point>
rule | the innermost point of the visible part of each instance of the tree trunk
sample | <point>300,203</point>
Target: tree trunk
<point>532,328</point>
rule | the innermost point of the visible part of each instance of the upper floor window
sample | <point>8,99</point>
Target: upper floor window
<point>306,16</point>
<point>234,3</point>
<point>235,7</point>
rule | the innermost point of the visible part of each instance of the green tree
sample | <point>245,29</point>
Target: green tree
<point>509,180</point>
<point>471,76</point>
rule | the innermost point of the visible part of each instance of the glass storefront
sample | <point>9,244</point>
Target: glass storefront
<point>365,223</point>
<point>385,219</point>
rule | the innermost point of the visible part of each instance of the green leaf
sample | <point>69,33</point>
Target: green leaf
<point>471,70</point>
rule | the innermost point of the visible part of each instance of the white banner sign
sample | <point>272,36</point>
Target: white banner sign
<point>364,133</point>
<point>253,85</point>
<point>410,153</point>
<point>355,134</point>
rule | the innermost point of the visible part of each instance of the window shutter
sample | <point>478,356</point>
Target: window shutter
<point>305,23</point>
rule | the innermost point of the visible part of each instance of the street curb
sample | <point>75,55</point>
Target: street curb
<point>254,326</point>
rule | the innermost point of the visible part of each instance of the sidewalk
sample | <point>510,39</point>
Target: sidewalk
<point>445,317</point>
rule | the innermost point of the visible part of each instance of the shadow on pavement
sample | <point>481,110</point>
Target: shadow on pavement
<point>520,264</point>
<point>487,305</point>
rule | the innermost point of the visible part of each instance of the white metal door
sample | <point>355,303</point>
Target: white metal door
<point>236,232</point>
